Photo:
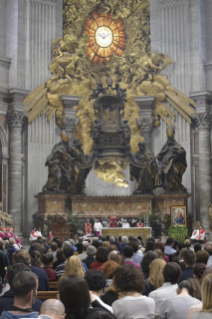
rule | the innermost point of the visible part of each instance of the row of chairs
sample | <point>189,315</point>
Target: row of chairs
<point>53,293</point>
<point>44,295</point>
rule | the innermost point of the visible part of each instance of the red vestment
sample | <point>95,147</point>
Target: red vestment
<point>88,229</point>
<point>113,221</point>
<point>140,225</point>
<point>201,232</point>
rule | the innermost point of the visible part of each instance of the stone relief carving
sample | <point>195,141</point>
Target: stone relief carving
<point>70,123</point>
<point>146,124</point>
<point>203,120</point>
<point>16,118</point>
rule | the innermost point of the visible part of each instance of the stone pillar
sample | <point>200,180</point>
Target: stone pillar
<point>70,120</point>
<point>146,119</point>
<point>15,120</point>
<point>202,119</point>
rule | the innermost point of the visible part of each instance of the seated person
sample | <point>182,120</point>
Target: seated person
<point>52,308</point>
<point>22,256</point>
<point>177,307</point>
<point>201,236</point>
<point>96,280</point>
<point>171,275</point>
<point>206,311</point>
<point>189,261</point>
<point>128,254</point>
<point>68,252</point>
<point>129,280</point>
<point>146,261</point>
<point>194,235</point>
<point>90,259</point>
<point>53,252</point>
<point>202,256</point>
<point>139,224</point>
<point>24,287</point>
<point>101,258</point>
<point>74,294</point>
<point>169,247</point>
<point>60,258</point>
<point>208,248</point>
<point>47,260</point>
<point>33,235</point>
<point>155,279</point>
<point>7,299</point>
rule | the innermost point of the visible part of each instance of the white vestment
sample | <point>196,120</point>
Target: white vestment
<point>195,234</point>
<point>98,227</point>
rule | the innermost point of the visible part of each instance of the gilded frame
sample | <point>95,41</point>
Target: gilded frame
<point>180,220</point>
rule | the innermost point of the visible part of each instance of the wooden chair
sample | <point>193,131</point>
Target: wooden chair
<point>53,285</point>
<point>43,295</point>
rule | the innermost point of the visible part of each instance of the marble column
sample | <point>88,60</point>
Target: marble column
<point>70,120</point>
<point>146,119</point>
<point>15,120</point>
<point>202,119</point>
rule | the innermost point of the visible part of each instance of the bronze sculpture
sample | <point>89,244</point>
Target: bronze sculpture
<point>143,168</point>
<point>172,164</point>
<point>68,167</point>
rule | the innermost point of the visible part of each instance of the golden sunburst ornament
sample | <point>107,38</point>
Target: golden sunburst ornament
<point>106,36</point>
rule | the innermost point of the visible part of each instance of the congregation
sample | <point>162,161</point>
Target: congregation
<point>106,278</point>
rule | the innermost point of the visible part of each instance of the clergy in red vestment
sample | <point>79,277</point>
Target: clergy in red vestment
<point>139,224</point>
<point>113,221</point>
<point>88,228</point>
<point>201,233</point>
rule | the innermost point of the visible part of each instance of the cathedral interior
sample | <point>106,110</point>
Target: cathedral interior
<point>105,106</point>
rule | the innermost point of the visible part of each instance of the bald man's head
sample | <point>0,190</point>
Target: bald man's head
<point>53,308</point>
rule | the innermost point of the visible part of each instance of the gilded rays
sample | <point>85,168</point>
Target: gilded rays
<point>106,36</point>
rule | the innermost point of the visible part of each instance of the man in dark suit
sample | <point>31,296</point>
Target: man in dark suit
<point>7,299</point>
<point>189,260</point>
<point>21,256</point>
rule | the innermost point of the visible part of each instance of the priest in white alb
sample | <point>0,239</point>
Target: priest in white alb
<point>98,228</point>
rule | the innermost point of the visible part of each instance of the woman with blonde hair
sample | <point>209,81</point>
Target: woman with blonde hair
<point>155,279</point>
<point>73,266</point>
<point>206,312</point>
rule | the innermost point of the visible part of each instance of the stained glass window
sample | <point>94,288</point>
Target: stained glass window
<point>106,36</point>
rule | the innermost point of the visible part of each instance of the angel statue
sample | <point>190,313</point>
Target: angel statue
<point>172,164</point>
<point>143,168</point>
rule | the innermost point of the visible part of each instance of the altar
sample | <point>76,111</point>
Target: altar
<point>134,231</point>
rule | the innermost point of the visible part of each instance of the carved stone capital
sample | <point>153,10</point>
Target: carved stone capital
<point>16,118</point>
<point>70,123</point>
<point>146,124</point>
<point>203,120</point>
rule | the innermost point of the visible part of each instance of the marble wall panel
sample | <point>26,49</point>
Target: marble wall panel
<point>3,11</point>
<point>41,139</point>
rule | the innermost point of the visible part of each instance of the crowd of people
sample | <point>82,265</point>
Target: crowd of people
<point>107,278</point>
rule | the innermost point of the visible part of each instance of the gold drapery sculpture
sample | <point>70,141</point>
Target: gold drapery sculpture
<point>138,70</point>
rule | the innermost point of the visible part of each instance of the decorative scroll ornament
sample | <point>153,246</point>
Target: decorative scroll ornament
<point>16,118</point>
<point>203,120</point>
